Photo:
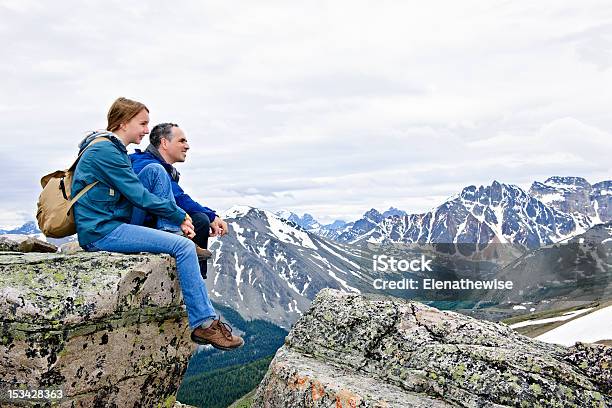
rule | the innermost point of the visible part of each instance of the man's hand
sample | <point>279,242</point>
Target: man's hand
<point>187,227</point>
<point>218,227</point>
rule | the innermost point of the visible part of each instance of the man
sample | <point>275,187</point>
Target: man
<point>168,145</point>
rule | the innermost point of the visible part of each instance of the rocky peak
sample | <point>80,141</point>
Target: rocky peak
<point>493,195</point>
<point>307,221</point>
<point>601,199</point>
<point>336,225</point>
<point>603,187</point>
<point>370,351</point>
<point>393,212</point>
<point>29,227</point>
<point>572,195</point>
<point>567,181</point>
<point>373,215</point>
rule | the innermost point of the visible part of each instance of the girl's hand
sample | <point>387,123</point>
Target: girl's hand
<point>187,227</point>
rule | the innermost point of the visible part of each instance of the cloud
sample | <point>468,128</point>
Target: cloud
<point>326,107</point>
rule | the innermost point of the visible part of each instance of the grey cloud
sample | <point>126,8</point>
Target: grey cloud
<point>334,113</point>
<point>593,44</point>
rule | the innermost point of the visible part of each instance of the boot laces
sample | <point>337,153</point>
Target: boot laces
<point>225,329</point>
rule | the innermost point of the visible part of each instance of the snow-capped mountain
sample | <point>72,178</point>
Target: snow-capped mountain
<point>309,223</point>
<point>499,213</point>
<point>577,269</point>
<point>29,228</point>
<point>336,225</point>
<point>575,195</point>
<point>333,230</point>
<point>349,232</point>
<point>340,230</point>
<point>392,212</point>
<point>306,221</point>
<point>359,228</point>
<point>269,267</point>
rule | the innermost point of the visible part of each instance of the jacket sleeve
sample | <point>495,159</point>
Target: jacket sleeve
<point>116,171</point>
<point>191,206</point>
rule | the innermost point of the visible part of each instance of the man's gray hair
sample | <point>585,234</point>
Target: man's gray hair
<point>162,130</point>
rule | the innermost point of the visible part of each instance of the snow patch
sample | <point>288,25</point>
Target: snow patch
<point>329,249</point>
<point>587,329</point>
<point>285,233</point>
<point>239,269</point>
<point>236,211</point>
<point>565,316</point>
<point>551,197</point>
<point>239,230</point>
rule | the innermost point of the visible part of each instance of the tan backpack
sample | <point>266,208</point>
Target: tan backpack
<point>54,215</point>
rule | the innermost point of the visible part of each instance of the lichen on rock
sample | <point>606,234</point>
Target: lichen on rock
<point>108,329</point>
<point>382,351</point>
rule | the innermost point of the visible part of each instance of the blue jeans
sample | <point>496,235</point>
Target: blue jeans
<point>155,178</point>
<point>130,238</point>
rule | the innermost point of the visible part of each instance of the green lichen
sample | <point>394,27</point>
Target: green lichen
<point>596,396</point>
<point>537,390</point>
<point>168,402</point>
<point>458,372</point>
<point>59,276</point>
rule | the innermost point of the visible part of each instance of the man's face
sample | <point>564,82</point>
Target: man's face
<point>176,149</point>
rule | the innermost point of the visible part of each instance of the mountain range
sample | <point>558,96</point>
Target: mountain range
<point>271,266</point>
<point>29,228</point>
<point>556,209</point>
<point>340,230</point>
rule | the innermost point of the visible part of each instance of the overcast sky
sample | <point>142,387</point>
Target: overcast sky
<point>326,107</point>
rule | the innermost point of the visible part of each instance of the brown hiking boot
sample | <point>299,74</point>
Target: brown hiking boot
<point>203,253</point>
<point>219,335</point>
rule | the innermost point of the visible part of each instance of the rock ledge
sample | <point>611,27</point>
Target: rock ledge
<point>107,329</point>
<point>370,351</point>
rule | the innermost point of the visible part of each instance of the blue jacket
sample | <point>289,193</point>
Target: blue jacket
<point>109,203</point>
<point>141,159</point>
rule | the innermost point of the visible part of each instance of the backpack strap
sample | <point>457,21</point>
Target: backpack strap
<point>93,142</point>
<point>72,167</point>
<point>83,191</point>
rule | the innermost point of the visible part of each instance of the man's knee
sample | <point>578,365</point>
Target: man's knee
<point>155,178</point>
<point>201,222</point>
<point>152,169</point>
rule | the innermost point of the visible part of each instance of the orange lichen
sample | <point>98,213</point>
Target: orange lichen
<point>318,391</point>
<point>301,383</point>
<point>347,399</point>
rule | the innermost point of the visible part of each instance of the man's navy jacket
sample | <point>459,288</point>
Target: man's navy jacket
<point>141,159</point>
